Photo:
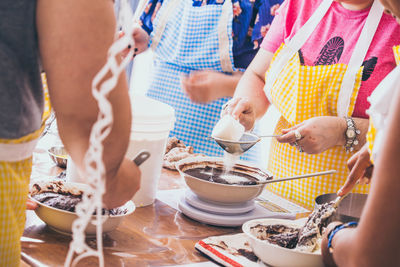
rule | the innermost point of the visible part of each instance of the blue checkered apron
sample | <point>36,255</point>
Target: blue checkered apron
<point>188,38</point>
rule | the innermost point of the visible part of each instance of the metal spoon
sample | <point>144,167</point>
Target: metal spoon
<point>339,199</point>
<point>297,177</point>
<point>247,141</point>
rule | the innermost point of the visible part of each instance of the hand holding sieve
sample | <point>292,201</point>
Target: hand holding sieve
<point>247,141</point>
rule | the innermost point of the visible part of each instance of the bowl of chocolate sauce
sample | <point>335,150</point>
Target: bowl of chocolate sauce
<point>57,201</point>
<point>209,179</point>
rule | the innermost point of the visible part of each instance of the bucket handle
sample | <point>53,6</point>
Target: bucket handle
<point>141,157</point>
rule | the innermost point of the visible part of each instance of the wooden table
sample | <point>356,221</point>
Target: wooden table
<point>155,235</point>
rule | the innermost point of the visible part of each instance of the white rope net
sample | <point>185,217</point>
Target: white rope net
<point>93,161</point>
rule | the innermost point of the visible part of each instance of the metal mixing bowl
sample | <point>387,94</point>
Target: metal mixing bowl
<point>218,192</point>
<point>61,220</point>
<point>59,156</point>
<point>349,209</point>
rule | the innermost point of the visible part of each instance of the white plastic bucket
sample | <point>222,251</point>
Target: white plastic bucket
<point>152,122</point>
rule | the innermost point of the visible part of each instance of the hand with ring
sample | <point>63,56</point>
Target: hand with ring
<point>298,137</point>
<point>314,135</point>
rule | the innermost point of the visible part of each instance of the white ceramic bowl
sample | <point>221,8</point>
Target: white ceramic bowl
<point>61,220</point>
<point>275,255</point>
<point>218,192</point>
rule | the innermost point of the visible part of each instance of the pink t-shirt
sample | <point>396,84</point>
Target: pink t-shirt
<point>334,39</point>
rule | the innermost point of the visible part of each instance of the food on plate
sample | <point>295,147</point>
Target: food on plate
<point>172,143</point>
<point>310,234</point>
<point>175,151</point>
<point>59,201</point>
<point>64,196</point>
<point>278,234</point>
<point>304,239</point>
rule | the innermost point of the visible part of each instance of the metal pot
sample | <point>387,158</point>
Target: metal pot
<point>350,208</point>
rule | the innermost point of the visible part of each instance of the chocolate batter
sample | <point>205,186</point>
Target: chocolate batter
<point>68,202</point>
<point>302,239</point>
<point>315,225</point>
<point>212,174</point>
<point>277,234</point>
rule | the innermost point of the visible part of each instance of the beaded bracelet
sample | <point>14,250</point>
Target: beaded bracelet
<point>337,229</point>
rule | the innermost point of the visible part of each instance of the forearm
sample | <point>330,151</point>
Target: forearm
<point>228,84</point>
<point>251,85</point>
<point>73,49</point>
<point>344,248</point>
<point>75,130</point>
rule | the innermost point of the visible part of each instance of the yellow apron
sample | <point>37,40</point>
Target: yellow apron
<point>302,92</point>
<point>371,134</point>
<point>15,171</point>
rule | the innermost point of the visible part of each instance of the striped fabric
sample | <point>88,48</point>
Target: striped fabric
<point>302,92</point>
<point>192,40</point>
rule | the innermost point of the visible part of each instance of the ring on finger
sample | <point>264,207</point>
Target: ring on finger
<point>297,135</point>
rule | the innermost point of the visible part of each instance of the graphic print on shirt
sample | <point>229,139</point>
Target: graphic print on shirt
<point>369,66</point>
<point>301,58</point>
<point>331,53</point>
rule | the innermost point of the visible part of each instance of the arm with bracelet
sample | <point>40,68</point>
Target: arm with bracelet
<point>374,242</point>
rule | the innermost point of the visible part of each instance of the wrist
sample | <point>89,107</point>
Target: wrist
<point>335,230</point>
<point>229,84</point>
<point>351,134</point>
<point>342,126</point>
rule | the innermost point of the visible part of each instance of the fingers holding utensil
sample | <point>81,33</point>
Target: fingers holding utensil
<point>292,136</point>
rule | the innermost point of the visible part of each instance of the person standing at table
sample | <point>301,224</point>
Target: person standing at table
<point>70,39</point>
<point>201,49</point>
<point>324,58</point>
<point>374,240</point>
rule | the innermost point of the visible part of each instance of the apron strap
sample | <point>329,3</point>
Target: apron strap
<point>162,22</point>
<point>294,44</point>
<point>223,38</point>
<point>139,10</point>
<point>359,53</point>
<point>17,152</point>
